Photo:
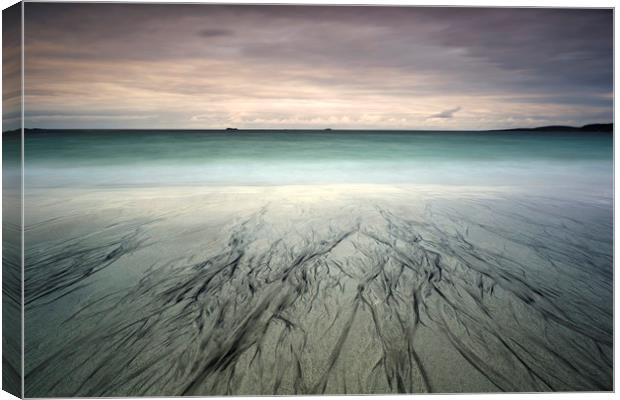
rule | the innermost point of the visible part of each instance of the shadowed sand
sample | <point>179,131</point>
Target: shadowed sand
<point>316,289</point>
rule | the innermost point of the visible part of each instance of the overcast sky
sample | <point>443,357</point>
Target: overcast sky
<point>208,66</point>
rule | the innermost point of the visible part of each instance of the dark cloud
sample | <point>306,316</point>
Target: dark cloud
<point>215,32</point>
<point>572,47</point>
<point>446,113</point>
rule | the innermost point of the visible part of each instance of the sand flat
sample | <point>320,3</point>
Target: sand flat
<point>316,289</point>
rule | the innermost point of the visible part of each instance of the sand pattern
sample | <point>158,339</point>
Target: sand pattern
<point>395,292</point>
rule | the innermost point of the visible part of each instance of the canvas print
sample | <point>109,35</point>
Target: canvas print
<point>287,200</point>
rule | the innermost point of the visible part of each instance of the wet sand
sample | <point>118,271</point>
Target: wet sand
<point>316,289</point>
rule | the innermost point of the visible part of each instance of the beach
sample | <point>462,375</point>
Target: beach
<point>317,289</point>
<point>358,263</point>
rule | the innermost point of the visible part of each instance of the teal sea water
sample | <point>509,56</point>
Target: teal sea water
<point>245,263</point>
<point>568,161</point>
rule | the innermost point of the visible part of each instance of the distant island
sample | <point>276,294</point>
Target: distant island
<point>555,128</point>
<point>607,127</point>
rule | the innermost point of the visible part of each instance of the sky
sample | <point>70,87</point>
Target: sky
<point>211,66</point>
<point>11,68</point>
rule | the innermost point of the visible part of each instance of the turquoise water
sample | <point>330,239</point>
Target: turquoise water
<point>573,161</point>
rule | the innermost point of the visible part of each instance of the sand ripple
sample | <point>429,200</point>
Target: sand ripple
<point>394,293</point>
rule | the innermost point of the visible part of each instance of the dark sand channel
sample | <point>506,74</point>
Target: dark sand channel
<point>316,289</point>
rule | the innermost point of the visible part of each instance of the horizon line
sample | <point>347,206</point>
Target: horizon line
<point>233,129</point>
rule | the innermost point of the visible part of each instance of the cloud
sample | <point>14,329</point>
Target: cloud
<point>365,67</point>
<point>215,32</point>
<point>94,117</point>
<point>446,113</point>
